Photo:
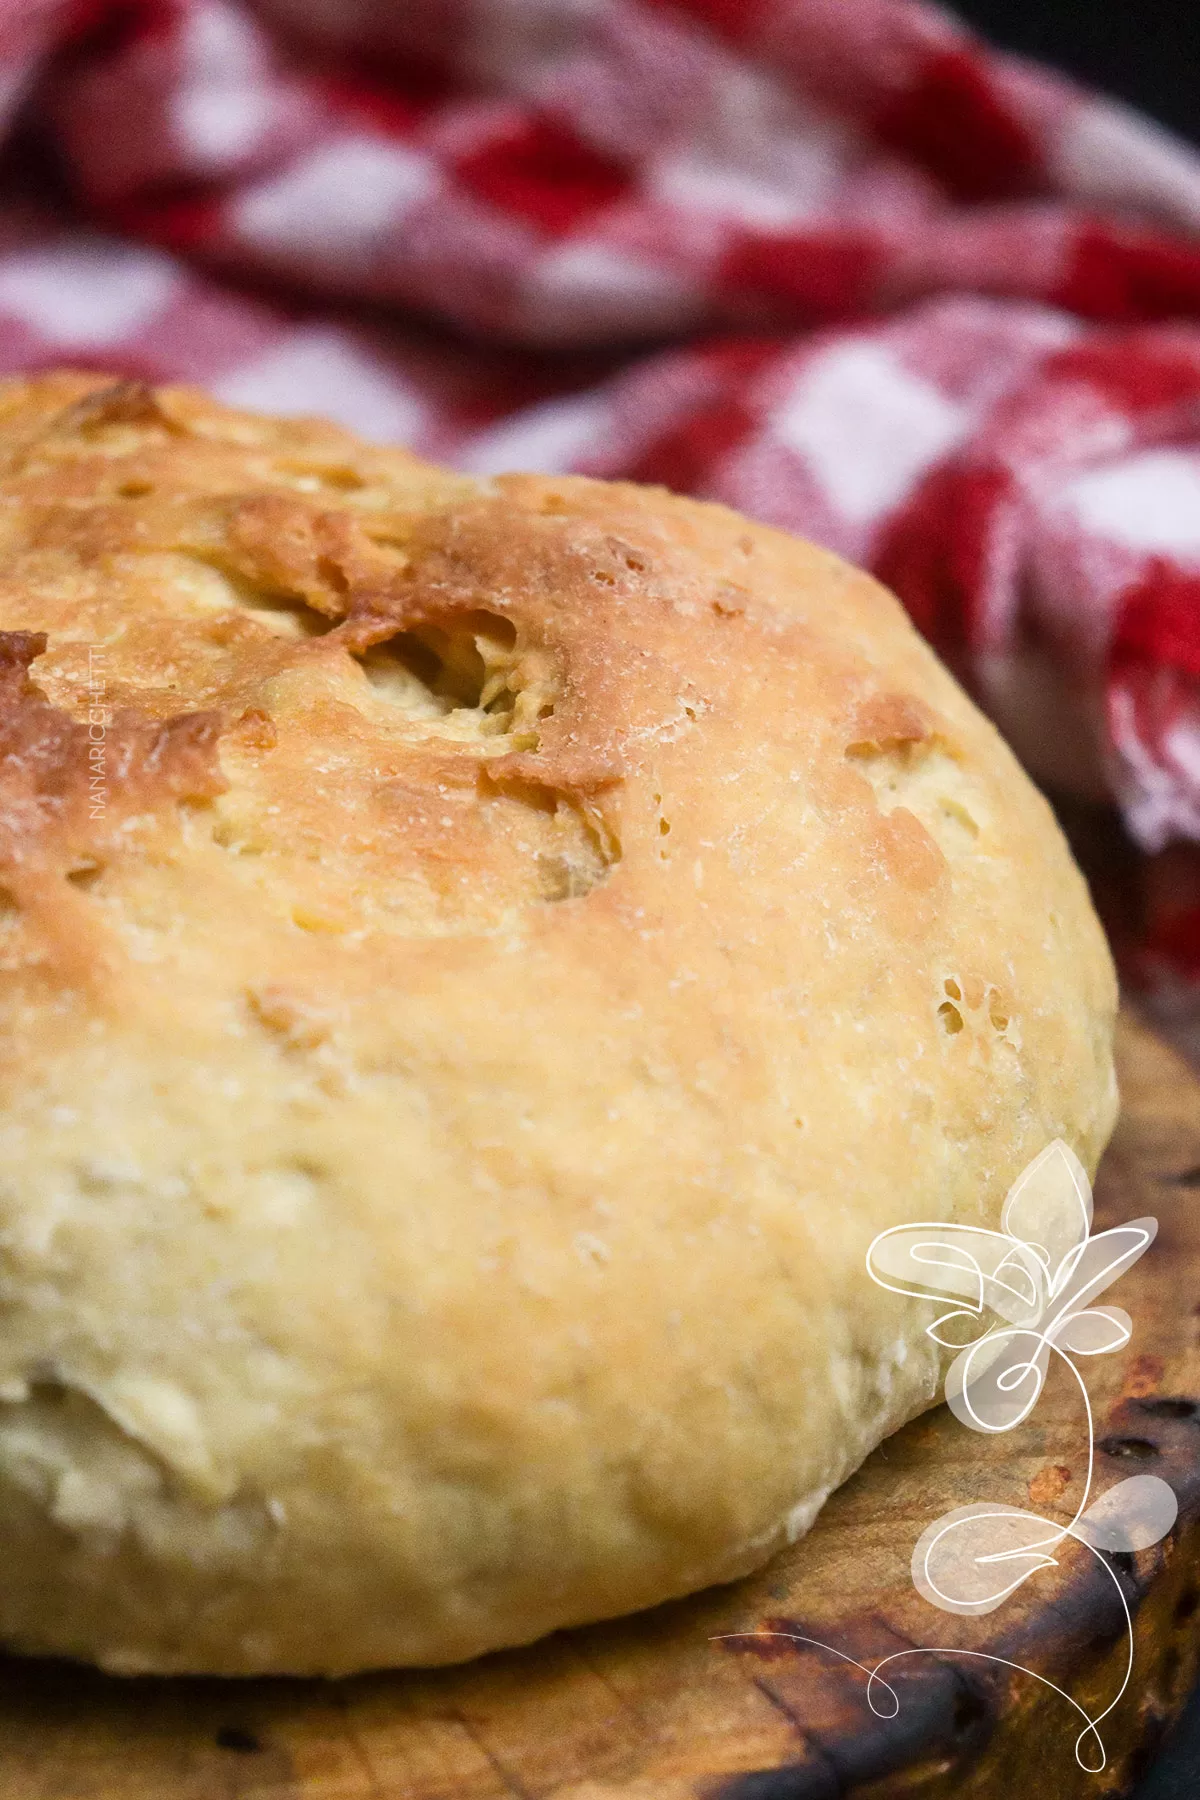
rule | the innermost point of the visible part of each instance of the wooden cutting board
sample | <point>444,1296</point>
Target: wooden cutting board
<point>653,1708</point>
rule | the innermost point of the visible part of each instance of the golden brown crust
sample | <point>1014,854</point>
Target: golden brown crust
<point>537,932</point>
<point>47,783</point>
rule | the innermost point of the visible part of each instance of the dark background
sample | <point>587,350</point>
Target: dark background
<point>1146,52</point>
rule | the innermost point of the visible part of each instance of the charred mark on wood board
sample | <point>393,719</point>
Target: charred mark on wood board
<point>239,1740</point>
<point>1170,1407</point>
<point>794,1781</point>
<point>941,1709</point>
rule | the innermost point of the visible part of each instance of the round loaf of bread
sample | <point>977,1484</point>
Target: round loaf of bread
<point>481,961</point>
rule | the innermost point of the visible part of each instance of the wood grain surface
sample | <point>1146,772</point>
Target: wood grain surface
<point>653,1708</point>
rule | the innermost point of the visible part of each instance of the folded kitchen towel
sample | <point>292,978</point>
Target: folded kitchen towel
<point>833,261</point>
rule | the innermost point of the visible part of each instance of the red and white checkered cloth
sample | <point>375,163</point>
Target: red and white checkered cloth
<point>925,303</point>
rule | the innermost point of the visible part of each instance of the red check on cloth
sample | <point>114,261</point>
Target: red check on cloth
<point>832,261</point>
